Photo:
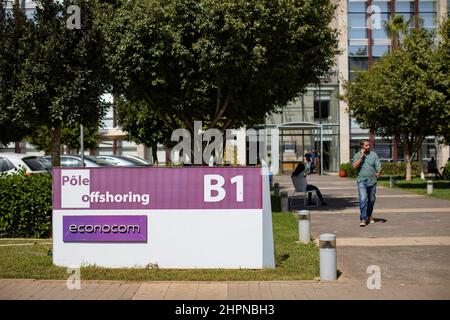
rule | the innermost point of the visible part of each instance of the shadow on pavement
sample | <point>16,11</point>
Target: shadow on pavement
<point>331,204</point>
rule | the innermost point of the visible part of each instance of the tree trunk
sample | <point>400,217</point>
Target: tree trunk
<point>55,136</point>
<point>17,147</point>
<point>408,160</point>
<point>371,139</point>
<point>155,154</point>
<point>394,149</point>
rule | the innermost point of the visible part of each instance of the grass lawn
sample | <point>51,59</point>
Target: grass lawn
<point>441,188</point>
<point>293,262</point>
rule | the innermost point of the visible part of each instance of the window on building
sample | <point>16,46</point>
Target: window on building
<point>384,151</point>
<point>289,147</point>
<point>358,63</point>
<point>404,6</point>
<point>427,6</point>
<point>357,51</point>
<point>321,106</point>
<point>356,6</point>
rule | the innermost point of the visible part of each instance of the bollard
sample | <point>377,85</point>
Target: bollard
<point>276,190</point>
<point>391,182</point>
<point>284,201</point>
<point>304,226</point>
<point>429,187</point>
<point>328,261</point>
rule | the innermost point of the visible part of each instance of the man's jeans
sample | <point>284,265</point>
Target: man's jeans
<point>367,196</point>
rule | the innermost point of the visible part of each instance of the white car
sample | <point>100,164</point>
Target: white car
<point>13,162</point>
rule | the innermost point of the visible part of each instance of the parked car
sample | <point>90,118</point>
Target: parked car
<point>124,160</point>
<point>13,162</point>
<point>74,160</point>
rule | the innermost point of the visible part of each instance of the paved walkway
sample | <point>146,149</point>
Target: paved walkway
<point>410,243</point>
<point>261,290</point>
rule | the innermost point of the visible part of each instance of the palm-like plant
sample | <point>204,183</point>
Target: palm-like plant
<point>396,29</point>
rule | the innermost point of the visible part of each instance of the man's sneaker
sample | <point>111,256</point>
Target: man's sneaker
<point>372,220</point>
<point>362,223</point>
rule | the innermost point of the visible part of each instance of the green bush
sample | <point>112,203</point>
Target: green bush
<point>446,172</point>
<point>387,169</point>
<point>347,167</point>
<point>26,206</point>
<point>399,169</point>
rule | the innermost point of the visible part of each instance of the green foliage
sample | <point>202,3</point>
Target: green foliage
<point>141,123</point>
<point>406,94</point>
<point>70,136</point>
<point>224,62</point>
<point>60,77</point>
<point>14,28</point>
<point>387,169</point>
<point>446,172</point>
<point>347,167</point>
<point>399,168</point>
<point>26,205</point>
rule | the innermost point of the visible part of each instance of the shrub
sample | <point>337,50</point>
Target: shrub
<point>446,172</point>
<point>26,205</point>
<point>347,167</point>
<point>399,168</point>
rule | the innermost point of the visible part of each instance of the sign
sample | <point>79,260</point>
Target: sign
<point>105,228</point>
<point>183,217</point>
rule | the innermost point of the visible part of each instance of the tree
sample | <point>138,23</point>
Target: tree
<point>397,29</point>
<point>14,28</point>
<point>61,79</point>
<point>226,63</point>
<point>70,136</point>
<point>142,124</point>
<point>444,66</point>
<point>404,93</point>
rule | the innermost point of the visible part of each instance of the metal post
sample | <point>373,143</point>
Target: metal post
<point>304,226</point>
<point>321,150</point>
<point>284,201</point>
<point>391,182</point>
<point>328,261</point>
<point>429,187</point>
<point>82,145</point>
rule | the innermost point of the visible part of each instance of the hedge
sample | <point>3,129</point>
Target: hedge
<point>26,206</point>
<point>387,169</point>
<point>446,171</point>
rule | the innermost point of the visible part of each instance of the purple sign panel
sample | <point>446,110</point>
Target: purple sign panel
<point>157,188</point>
<point>105,228</point>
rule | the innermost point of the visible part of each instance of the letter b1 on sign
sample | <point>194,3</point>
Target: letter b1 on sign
<point>215,183</point>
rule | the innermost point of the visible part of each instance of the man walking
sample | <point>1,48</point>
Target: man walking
<point>368,168</point>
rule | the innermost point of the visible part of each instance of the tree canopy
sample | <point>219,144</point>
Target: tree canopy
<point>60,75</point>
<point>225,62</point>
<point>405,94</point>
<point>14,29</point>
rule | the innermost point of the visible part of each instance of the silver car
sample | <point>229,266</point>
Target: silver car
<point>14,162</point>
<point>74,160</point>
